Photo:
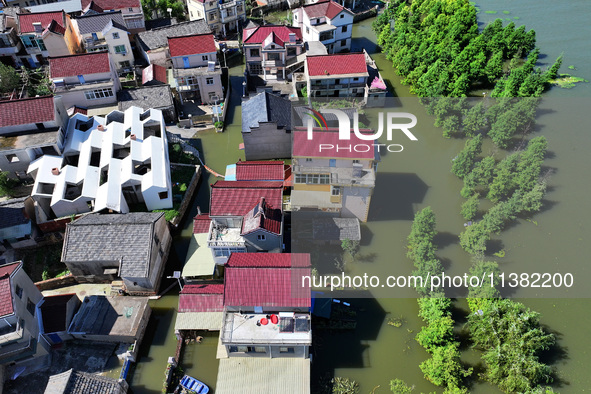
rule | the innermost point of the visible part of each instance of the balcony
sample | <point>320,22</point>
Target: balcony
<point>11,334</point>
<point>242,328</point>
<point>272,63</point>
<point>61,87</point>
<point>95,45</point>
<point>221,236</point>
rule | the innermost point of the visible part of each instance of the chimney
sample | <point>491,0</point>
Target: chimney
<point>292,37</point>
<point>132,137</point>
<point>55,171</point>
<point>38,28</point>
<point>261,208</point>
<point>101,127</point>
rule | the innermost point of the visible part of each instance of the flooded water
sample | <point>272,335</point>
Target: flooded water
<point>376,352</point>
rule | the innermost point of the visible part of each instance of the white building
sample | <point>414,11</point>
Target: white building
<point>327,22</point>
<point>107,164</point>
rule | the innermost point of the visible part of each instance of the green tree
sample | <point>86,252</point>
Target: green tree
<point>9,79</point>
<point>6,184</point>
<point>397,386</point>
<point>470,207</point>
<point>463,162</point>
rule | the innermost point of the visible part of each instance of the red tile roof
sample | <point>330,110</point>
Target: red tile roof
<point>26,111</point>
<point>236,198</point>
<point>26,20</point>
<point>55,27</point>
<point>194,44</point>
<point>338,64</point>
<point>54,312</point>
<point>111,4</point>
<point>281,34</point>
<point>201,224</point>
<point>329,9</point>
<point>260,171</point>
<point>303,147</point>
<point>202,298</point>
<point>266,287</point>
<point>268,219</point>
<point>154,72</point>
<point>268,260</point>
<point>6,307</point>
<point>83,64</point>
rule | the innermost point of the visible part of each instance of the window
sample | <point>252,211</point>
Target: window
<point>12,158</point>
<point>309,159</point>
<point>30,307</point>
<point>355,161</point>
<point>314,179</point>
<point>212,16</point>
<point>163,195</point>
<point>130,9</point>
<point>261,237</point>
<point>120,49</point>
<point>291,52</point>
<point>205,58</point>
<point>307,30</point>
<point>344,29</point>
<point>209,80</point>
<point>254,53</point>
<point>273,56</point>
<point>286,350</point>
<point>98,94</point>
<point>19,291</point>
<point>335,191</point>
<point>115,35</point>
<point>211,96</point>
<point>41,45</point>
<point>343,43</point>
<point>342,16</point>
<point>256,69</point>
<point>125,64</point>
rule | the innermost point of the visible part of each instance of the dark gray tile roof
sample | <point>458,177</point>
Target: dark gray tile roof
<point>12,212</point>
<point>76,382</point>
<point>332,229</point>
<point>266,107</point>
<point>113,237</point>
<point>158,38</point>
<point>158,96</point>
<point>112,23</point>
<point>96,23</point>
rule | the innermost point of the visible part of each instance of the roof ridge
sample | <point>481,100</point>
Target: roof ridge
<point>79,54</point>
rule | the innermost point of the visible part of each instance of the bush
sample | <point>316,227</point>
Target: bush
<point>344,386</point>
<point>6,184</point>
<point>470,207</point>
<point>219,124</point>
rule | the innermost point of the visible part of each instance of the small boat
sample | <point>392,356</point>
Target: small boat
<point>193,385</point>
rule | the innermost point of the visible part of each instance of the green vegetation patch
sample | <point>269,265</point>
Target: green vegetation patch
<point>490,12</point>
<point>506,12</point>
<point>567,81</point>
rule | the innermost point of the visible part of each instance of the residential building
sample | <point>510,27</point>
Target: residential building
<point>16,226</point>
<point>19,323</point>
<point>223,17</point>
<point>77,382</point>
<point>201,307</point>
<point>258,285</point>
<point>88,79</point>
<point>270,49</point>
<point>272,171</point>
<point>46,34</point>
<point>57,312</point>
<point>345,75</point>
<point>327,22</point>
<point>153,44</point>
<point>196,71</point>
<point>266,328</point>
<point>154,75</point>
<point>10,44</point>
<point>107,32</point>
<point>131,247</point>
<point>337,181</point>
<point>245,216</point>
<point>71,7</point>
<point>131,10</point>
<point>157,97</point>
<point>30,128</point>
<point>266,127</point>
<point>107,164</point>
<point>111,319</point>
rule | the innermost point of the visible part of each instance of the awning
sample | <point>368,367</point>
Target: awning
<point>199,261</point>
<point>211,321</point>
<point>262,375</point>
